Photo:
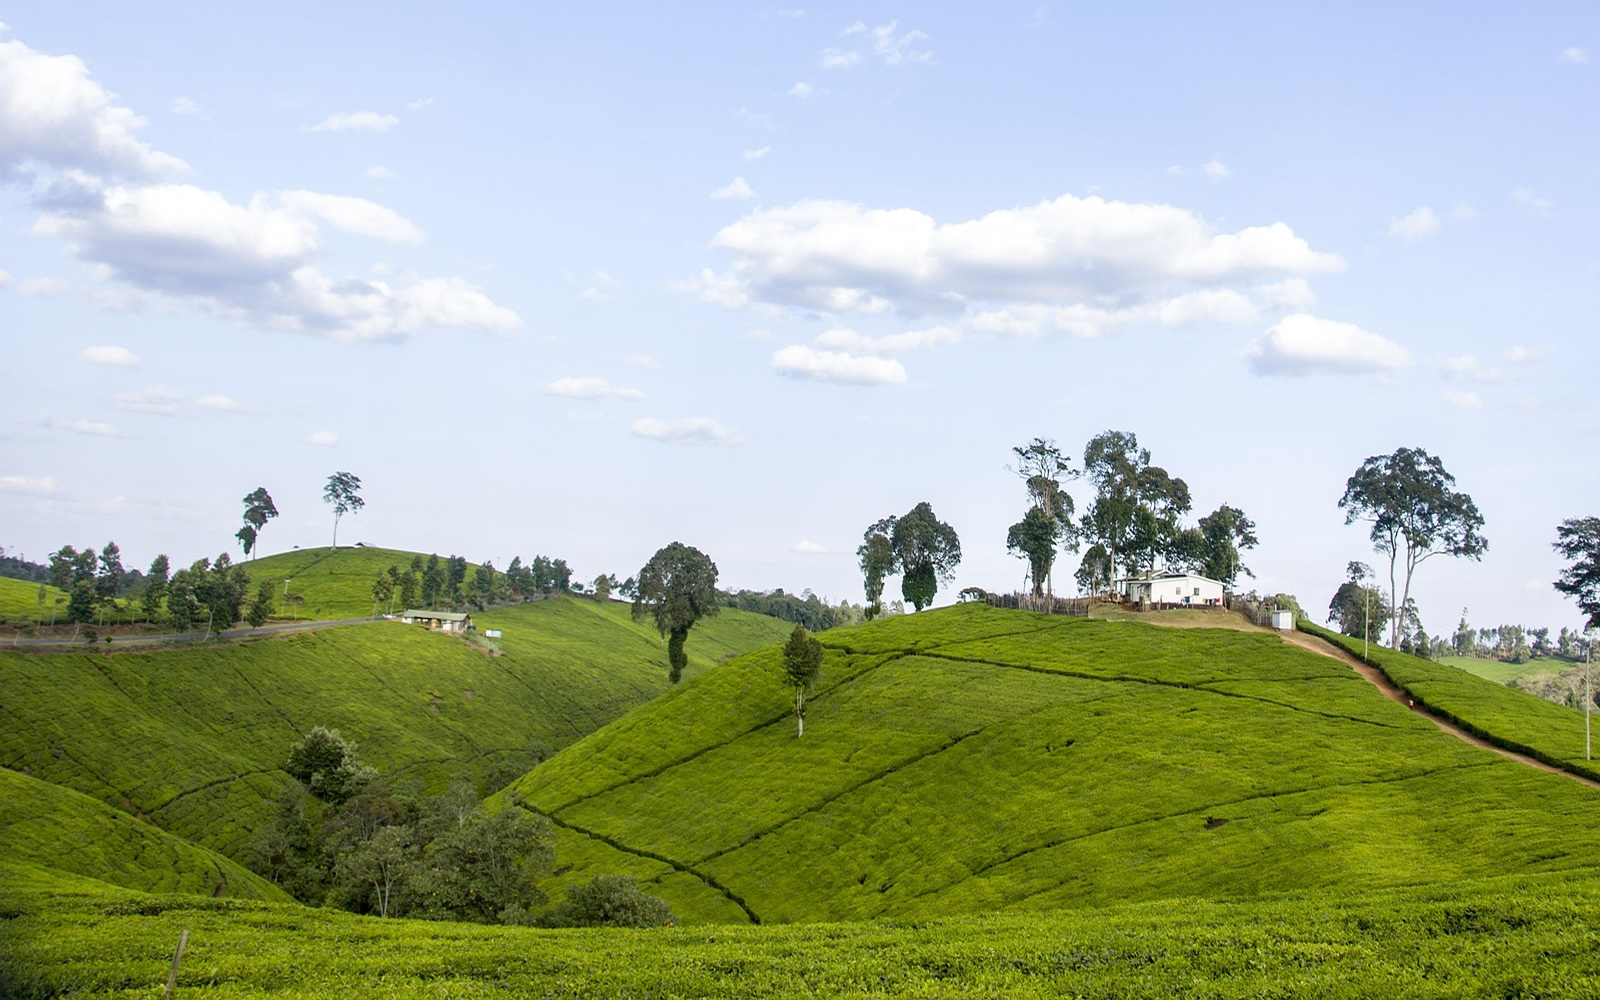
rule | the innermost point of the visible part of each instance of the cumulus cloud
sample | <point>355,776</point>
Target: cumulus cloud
<point>34,485</point>
<point>1463,400</point>
<point>802,89</point>
<point>808,547</point>
<point>378,172</point>
<point>52,113</point>
<point>419,104</point>
<point>1468,366</point>
<point>42,286</point>
<point>840,58</point>
<point>590,387</point>
<point>893,47</point>
<point>1531,201</point>
<point>642,361</point>
<point>1216,170</point>
<point>1303,344</point>
<point>752,155</point>
<point>840,256</point>
<point>353,215</point>
<point>157,401</point>
<point>108,354</point>
<point>1414,225</point>
<point>1519,355</point>
<point>894,343</point>
<point>186,106</point>
<point>323,439</point>
<point>800,361</point>
<point>1463,211</point>
<point>355,121</point>
<point>734,190</point>
<point>689,430</point>
<point>1574,55</point>
<point>217,402</point>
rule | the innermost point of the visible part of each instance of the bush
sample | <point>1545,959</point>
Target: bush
<point>608,901</point>
<point>326,764</point>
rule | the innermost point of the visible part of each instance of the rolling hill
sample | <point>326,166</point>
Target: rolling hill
<point>970,760</point>
<point>194,738</point>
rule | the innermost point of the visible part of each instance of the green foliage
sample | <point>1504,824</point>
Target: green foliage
<point>1036,538</point>
<point>802,665</point>
<point>261,607</point>
<point>1578,541</point>
<point>804,608</point>
<point>326,764</point>
<point>926,551</point>
<point>676,588</point>
<point>1223,533</point>
<point>877,557</point>
<point>484,870</point>
<point>343,491</point>
<point>1049,520</point>
<point>82,603</point>
<point>608,901</point>
<point>258,510</point>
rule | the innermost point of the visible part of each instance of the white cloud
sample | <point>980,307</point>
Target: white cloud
<point>1463,211</point>
<point>107,354</point>
<point>802,89</point>
<point>218,402</point>
<point>157,401</point>
<point>355,121</point>
<point>1416,224</point>
<point>1302,344</point>
<point>897,49</point>
<point>807,547</point>
<point>1531,201</point>
<point>53,113</point>
<point>690,430</point>
<point>840,58</point>
<point>1469,367</point>
<point>1463,400</point>
<point>186,106</point>
<point>419,104</point>
<point>793,12</point>
<point>1574,55</point>
<point>42,286</point>
<point>1216,170</point>
<point>717,289</point>
<point>323,439</point>
<point>1290,293</point>
<point>641,361</point>
<point>353,215</point>
<point>93,428</point>
<point>1222,305</point>
<point>752,155</point>
<point>800,361</point>
<point>841,256</point>
<point>378,172</point>
<point>895,343</point>
<point>258,262</point>
<point>734,190</point>
<point>5,278</point>
<point>1519,355</point>
<point>36,485</point>
<point>1175,171</point>
<point>590,387</point>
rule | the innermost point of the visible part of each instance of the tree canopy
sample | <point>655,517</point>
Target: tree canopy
<point>1048,523</point>
<point>676,588</point>
<point>258,510</point>
<point>343,491</point>
<point>927,552</point>
<point>802,664</point>
<point>1415,513</point>
<point>1578,541</point>
<point>877,562</point>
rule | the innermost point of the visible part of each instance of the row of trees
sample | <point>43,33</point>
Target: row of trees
<point>445,582</point>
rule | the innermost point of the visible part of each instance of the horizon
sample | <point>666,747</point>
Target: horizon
<point>583,283</point>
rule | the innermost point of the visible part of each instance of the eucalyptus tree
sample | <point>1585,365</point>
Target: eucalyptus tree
<point>802,665</point>
<point>1416,513</point>
<point>1578,541</point>
<point>876,554</point>
<point>676,588</point>
<point>258,510</point>
<point>927,551</point>
<point>1048,523</point>
<point>1223,532</point>
<point>343,491</point>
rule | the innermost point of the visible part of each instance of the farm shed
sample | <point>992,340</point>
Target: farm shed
<point>1169,589</point>
<point>438,621</point>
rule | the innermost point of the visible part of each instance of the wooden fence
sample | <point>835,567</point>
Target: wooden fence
<point>1078,607</point>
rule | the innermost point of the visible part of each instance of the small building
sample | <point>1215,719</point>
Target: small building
<point>1283,620</point>
<point>438,621</point>
<point>1172,590</point>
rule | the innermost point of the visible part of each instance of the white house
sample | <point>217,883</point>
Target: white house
<point>438,621</point>
<point>1168,589</point>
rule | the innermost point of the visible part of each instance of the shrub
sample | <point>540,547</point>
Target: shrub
<point>609,901</point>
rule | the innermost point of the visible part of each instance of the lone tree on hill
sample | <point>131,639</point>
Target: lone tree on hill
<point>1578,539</point>
<point>677,588</point>
<point>802,665</point>
<point>1415,514</point>
<point>1223,533</point>
<point>927,551</point>
<point>344,492</point>
<point>877,562</point>
<point>1048,523</point>
<point>258,510</point>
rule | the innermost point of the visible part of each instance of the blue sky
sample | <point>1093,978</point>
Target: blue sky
<point>587,279</point>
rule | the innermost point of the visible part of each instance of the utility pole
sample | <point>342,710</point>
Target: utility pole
<point>1366,621</point>
<point>1588,699</point>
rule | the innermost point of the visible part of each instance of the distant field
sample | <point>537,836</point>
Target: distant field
<point>1525,936</point>
<point>333,583</point>
<point>19,602</point>
<point>195,737</point>
<point>1500,673</point>
<point>970,759</point>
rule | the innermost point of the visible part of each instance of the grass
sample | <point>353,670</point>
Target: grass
<point>19,602</point>
<point>66,832</point>
<point>1522,936</point>
<point>332,583</point>
<point>194,738</point>
<point>1501,672</point>
<point>1541,729</point>
<point>971,759</point>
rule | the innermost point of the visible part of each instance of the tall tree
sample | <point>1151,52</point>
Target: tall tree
<point>1224,532</point>
<point>927,551</point>
<point>343,491</point>
<point>802,664</point>
<point>1095,573</point>
<point>1048,522</point>
<point>1359,609</point>
<point>1415,513</point>
<point>877,562</point>
<point>677,587</point>
<point>432,581</point>
<point>108,579</point>
<point>1112,462</point>
<point>247,539</point>
<point>482,588</point>
<point>1578,541</point>
<point>258,510</point>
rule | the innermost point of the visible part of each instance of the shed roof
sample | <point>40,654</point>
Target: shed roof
<point>440,616</point>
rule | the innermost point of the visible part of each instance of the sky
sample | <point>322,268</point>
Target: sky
<point>582,280</point>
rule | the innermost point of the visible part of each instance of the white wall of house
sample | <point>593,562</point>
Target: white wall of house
<point>1185,589</point>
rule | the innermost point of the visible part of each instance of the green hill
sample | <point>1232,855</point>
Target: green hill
<point>20,605</point>
<point>194,738</point>
<point>331,583</point>
<point>970,759</point>
<point>62,831</point>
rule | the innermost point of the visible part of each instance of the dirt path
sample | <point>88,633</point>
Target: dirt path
<point>1395,694</point>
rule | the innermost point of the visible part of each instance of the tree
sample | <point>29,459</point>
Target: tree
<point>1036,538</point>
<point>1577,541</point>
<point>221,586</point>
<point>261,607</point>
<point>487,868</point>
<point>455,574</point>
<point>381,863</point>
<point>1048,522</point>
<point>108,580</point>
<point>82,603</point>
<point>326,764</point>
<point>344,492</point>
<point>1224,532</point>
<point>482,589</point>
<point>602,588</point>
<point>802,664</point>
<point>677,587</point>
<point>1095,572</point>
<point>1415,513</point>
<point>876,554</point>
<point>432,581</point>
<point>927,551</point>
<point>608,901</point>
<point>247,539</point>
<point>1359,609</point>
<point>1112,462</point>
<point>258,510</point>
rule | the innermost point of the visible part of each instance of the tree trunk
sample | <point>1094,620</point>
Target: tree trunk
<point>799,712</point>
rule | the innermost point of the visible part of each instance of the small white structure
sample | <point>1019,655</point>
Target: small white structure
<point>1283,620</point>
<point>438,621</point>
<point>1172,590</point>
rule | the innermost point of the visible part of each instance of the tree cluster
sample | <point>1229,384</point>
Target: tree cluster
<point>924,550</point>
<point>675,589</point>
<point>805,608</point>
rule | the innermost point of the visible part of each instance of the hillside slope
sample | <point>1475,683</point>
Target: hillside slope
<point>195,738</point>
<point>59,830</point>
<point>971,759</point>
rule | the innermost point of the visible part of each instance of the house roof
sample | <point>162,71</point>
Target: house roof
<point>1169,576</point>
<point>441,616</point>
